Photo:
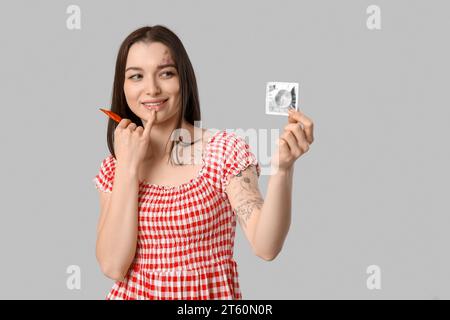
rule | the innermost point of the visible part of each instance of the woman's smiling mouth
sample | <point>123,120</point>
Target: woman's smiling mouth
<point>155,104</point>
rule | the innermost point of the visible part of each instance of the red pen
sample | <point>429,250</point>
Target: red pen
<point>112,115</point>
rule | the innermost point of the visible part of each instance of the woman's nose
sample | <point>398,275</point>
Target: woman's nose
<point>153,88</point>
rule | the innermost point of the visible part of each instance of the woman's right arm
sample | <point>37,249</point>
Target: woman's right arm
<point>118,224</point>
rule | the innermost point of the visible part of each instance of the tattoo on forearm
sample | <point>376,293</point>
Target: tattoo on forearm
<point>246,208</point>
<point>245,194</point>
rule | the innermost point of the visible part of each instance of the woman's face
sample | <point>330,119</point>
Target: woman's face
<point>145,80</point>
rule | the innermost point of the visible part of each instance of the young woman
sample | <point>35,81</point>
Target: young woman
<point>167,226</point>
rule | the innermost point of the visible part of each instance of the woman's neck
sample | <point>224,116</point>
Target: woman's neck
<point>160,138</point>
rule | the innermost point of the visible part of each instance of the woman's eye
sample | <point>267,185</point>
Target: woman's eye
<point>133,77</point>
<point>168,72</point>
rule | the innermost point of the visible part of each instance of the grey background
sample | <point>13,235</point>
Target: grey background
<point>371,190</point>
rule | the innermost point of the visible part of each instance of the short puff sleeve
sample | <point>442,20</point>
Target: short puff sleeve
<point>103,181</point>
<point>237,157</point>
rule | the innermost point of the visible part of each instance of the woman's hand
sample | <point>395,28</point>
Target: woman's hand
<point>132,143</point>
<point>294,141</point>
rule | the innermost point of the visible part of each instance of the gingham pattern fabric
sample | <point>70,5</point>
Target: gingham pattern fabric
<point>186,233</point>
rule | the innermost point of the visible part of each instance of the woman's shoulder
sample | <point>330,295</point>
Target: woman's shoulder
<point>221,137</point>
<point>105,176</point>
<point>108,164</point>
<point>224,145</point>
<point>109,161</point>
<point>229,154</point>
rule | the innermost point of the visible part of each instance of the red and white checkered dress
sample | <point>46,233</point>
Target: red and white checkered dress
<point>186,232</point>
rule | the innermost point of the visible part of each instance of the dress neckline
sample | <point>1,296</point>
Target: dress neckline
<point>185,185</point>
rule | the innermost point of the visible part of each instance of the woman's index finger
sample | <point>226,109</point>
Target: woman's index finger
<point>149,124</point>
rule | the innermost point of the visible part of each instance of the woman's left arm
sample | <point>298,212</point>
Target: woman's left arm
<point>275,217</point>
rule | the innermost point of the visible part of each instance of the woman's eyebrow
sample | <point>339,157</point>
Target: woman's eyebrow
<point>161,66</point>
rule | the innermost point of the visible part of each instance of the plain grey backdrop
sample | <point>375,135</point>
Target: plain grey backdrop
<point>372,190</point>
